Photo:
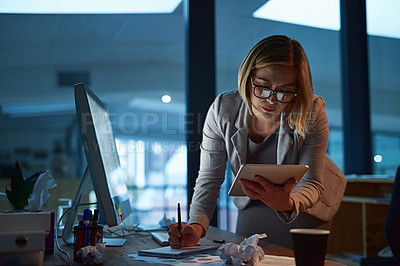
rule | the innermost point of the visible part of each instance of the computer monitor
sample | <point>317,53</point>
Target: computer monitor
<point>103,164</point>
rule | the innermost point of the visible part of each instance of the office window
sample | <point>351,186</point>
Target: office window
<point>322,45</point>
<point>130,61</point>
<point>335,145</point>
<point>227,210</point>
<point>156,177</point>
<point>386,153</point>
<point>384,100</point>
<point>237,30</point>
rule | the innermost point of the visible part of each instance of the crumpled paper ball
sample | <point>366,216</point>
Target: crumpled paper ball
<point>93,254</point>
<point>252,254</point>
<point>230,252</point>
<point>247,252</point>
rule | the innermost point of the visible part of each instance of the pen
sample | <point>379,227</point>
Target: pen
<point>179,221</point>
<point>86,224</point>
<point>93,227</point>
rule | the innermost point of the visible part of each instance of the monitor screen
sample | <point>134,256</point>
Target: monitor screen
<point>102,158</point>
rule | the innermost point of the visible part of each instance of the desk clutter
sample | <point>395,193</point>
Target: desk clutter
<point>137,239</point>
<point>26,236</point>
<point>88,239</point>
<point>247,252</point>
<point>27,232</point>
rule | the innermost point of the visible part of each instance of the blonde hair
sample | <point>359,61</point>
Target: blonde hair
<point>281,50</point>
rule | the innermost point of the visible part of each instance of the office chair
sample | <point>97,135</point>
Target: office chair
<point>391,228</point>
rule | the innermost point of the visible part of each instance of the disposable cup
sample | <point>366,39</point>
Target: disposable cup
<point>309,246</point>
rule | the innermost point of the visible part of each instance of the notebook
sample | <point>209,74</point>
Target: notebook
<point>168,252</point>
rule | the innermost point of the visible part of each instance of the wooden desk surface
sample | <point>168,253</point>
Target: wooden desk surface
<point>142,240</point>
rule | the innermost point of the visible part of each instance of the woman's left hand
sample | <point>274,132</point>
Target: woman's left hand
<point>277,197</point>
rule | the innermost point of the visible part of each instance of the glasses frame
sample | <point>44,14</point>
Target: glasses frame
<point>294,94</point>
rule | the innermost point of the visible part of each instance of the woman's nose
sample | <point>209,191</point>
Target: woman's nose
<point>272,99</point>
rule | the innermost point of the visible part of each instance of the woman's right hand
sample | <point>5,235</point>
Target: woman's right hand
<point>190,235</point>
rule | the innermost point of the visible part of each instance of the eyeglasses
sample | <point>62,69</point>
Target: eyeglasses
<point>264,93</point>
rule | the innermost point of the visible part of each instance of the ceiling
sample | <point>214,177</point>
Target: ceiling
<point>134,58</point>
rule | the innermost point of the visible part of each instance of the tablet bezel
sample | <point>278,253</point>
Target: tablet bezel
<point>276,174</point>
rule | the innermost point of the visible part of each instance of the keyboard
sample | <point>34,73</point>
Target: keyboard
<point>161,237</point>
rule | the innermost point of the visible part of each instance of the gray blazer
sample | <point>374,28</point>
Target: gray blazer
<point>225,136</point>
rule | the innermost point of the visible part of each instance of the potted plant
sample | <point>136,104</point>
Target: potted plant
<point>21,188</point>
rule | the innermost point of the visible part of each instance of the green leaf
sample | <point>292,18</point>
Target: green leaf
<point>16,201</point>
<point>21,188</point>
<point>16,179</point>
<point>10,196</point>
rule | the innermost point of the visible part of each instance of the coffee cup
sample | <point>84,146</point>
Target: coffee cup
<point>309,246</point>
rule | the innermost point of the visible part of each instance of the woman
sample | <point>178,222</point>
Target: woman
<point>273,118</point>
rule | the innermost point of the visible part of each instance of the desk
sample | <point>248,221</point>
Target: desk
<point>117,255</point>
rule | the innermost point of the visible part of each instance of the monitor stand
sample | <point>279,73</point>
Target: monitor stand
<point>114,242</point>
<point>67,232</point>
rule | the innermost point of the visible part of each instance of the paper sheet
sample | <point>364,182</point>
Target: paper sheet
<point>277,260</point>
<point>168,252</point>
<point>212,260</point>
<point>192,260</point>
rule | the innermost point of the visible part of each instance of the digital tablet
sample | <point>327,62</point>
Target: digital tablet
<point>276,174</point>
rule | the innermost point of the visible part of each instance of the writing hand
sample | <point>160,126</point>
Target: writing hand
<point>277,197</point>
<point>190,235</point>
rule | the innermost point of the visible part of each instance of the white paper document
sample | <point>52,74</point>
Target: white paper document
<point>211,260</point>
<point>168,252</point>
<point>190,261</point>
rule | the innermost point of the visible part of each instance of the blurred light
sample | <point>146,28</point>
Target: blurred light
<point>323,14</point>
<point>166,98</point>
<point>88,6</point>
<point>154,105</point>
<point>38,109</point>
<point>383,18</point>
<point>382,15</point>
<point>157,148</point>
<point>140,164</point>
<point>378,158</point>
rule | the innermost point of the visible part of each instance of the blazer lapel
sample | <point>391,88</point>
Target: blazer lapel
<point>285,141</point>
<point>239,138</point>
<point>239,141</point>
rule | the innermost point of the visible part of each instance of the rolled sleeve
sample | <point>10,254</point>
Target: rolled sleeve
<point>288,216</point>
<point>213,159</point>
<point>310,188</point>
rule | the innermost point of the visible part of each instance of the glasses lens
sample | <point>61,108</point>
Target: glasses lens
<point>264,93</point>
<point>285,97</point>
<point>280,96</point>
